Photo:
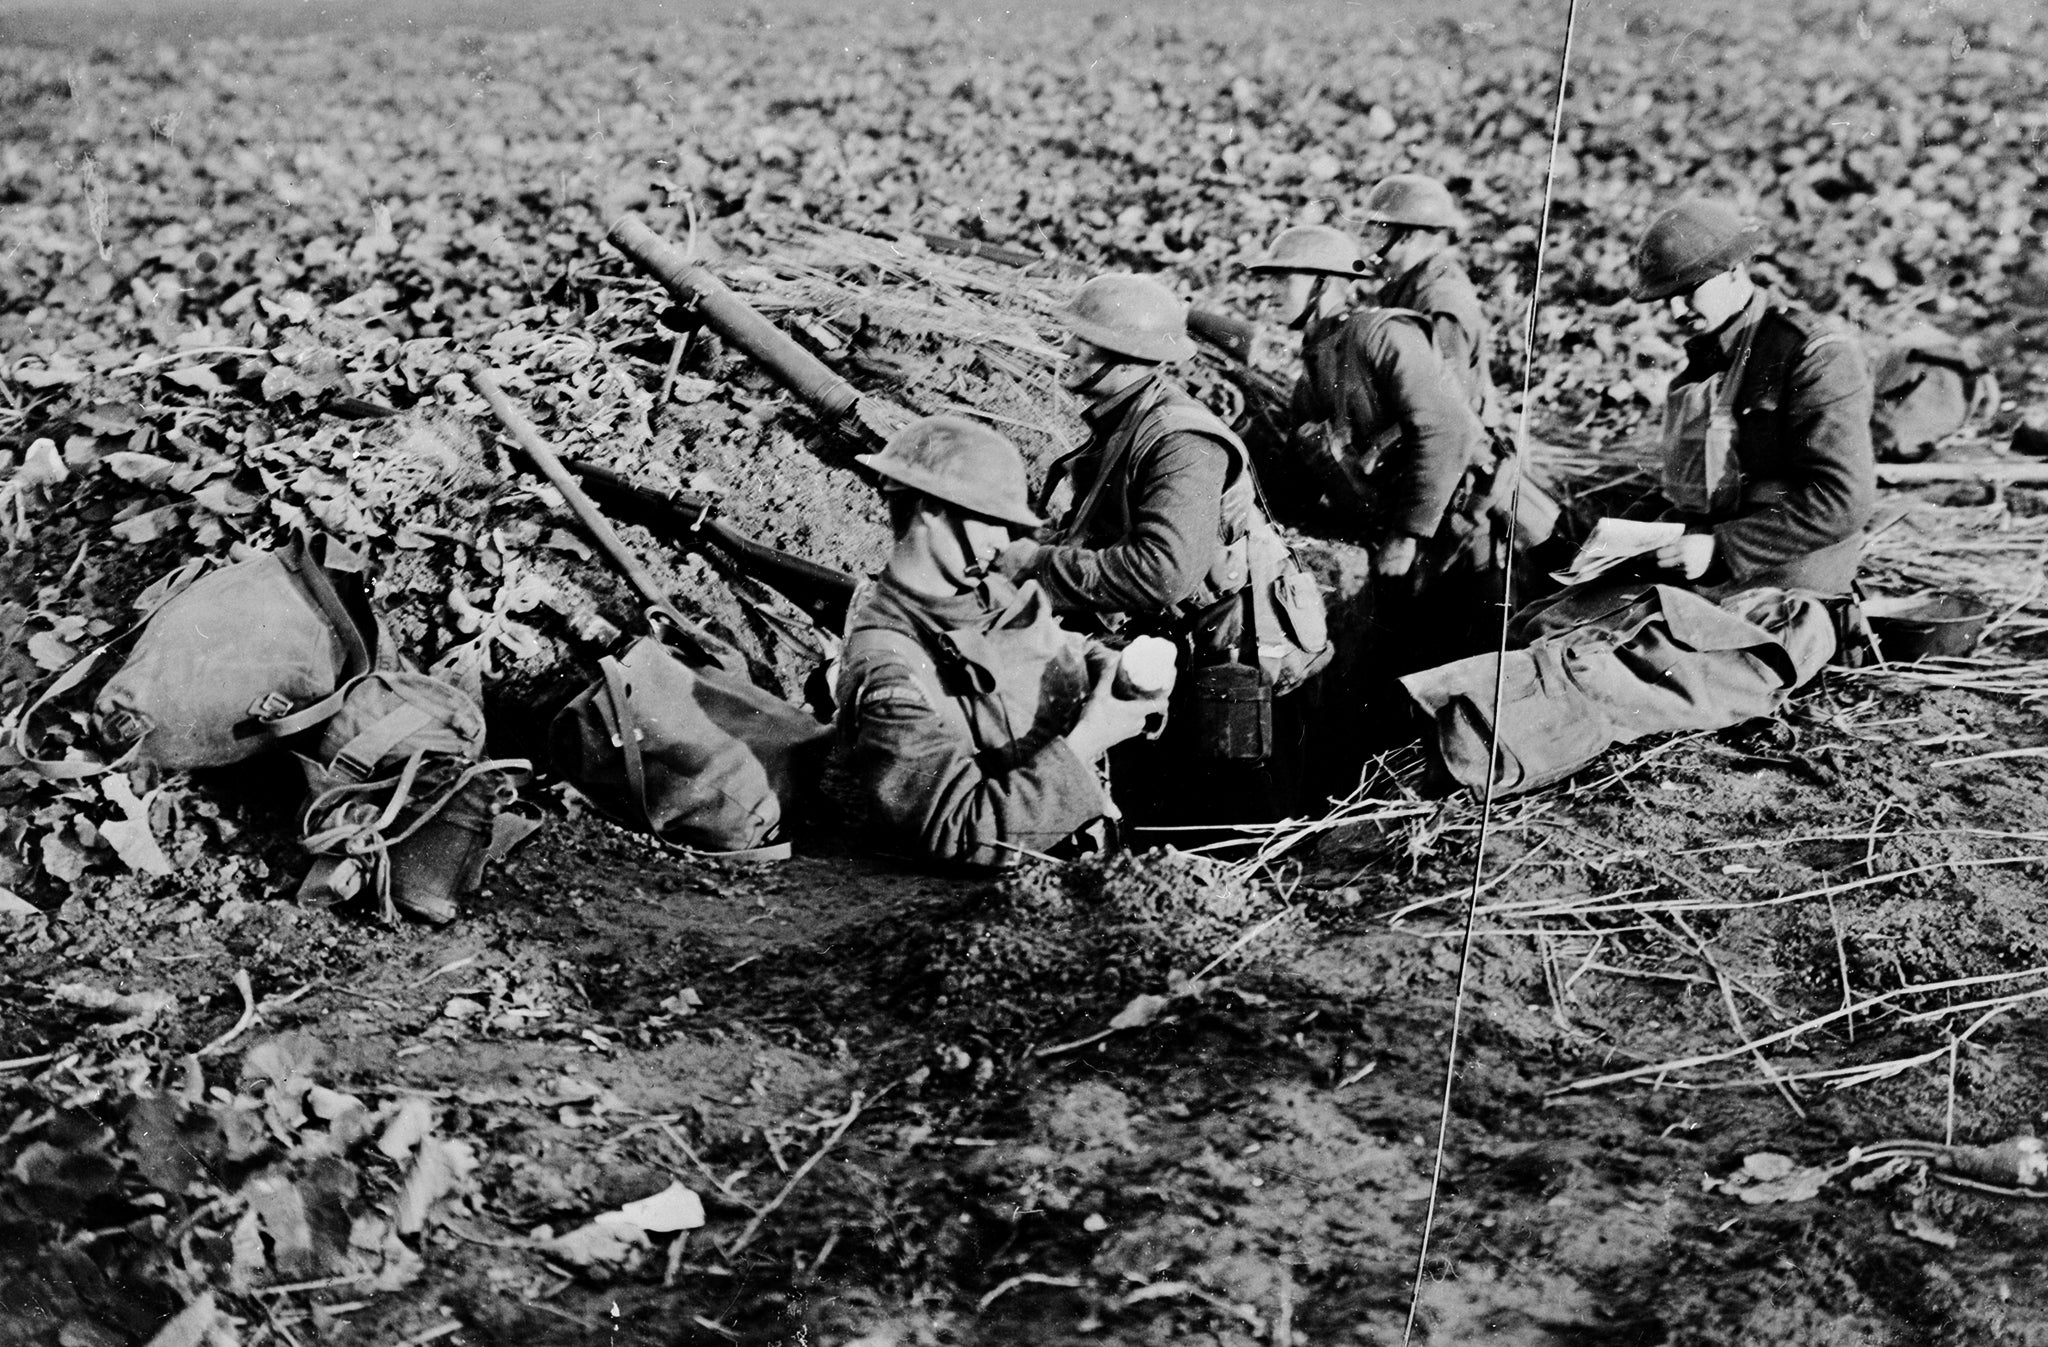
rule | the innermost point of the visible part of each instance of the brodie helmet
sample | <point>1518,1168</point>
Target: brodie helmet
<point>960,462</point>
<point>1689,243</point>
<point>1131,316</point>
<point>1311,249</point>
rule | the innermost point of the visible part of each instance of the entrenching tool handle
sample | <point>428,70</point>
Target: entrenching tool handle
<point>734,319</point>
<point>528,438</point>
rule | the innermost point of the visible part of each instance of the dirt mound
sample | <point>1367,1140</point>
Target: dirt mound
<point>1054,940</point>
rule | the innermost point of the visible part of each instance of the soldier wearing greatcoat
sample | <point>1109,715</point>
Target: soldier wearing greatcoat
<point>1767,454</point>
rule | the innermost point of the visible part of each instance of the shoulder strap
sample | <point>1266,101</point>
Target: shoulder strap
<point>313,578</point>
<point>1380,315</point>
<point>57,769</point>
<point>1740,368</point>
<point>626,735</point>
<point>1177,417</point>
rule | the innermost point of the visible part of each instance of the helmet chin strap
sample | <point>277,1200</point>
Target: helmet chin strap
<point>1312,305</point>
<point>972,570</point>
<point>1089,384</point>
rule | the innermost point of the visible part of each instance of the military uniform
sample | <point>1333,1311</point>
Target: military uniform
<point>1145,544</point>
<point>1157,543</point>
<point>1438,288</point>
<point>1801,480</point>
<point>1395,411</point>
<point>952,720</point>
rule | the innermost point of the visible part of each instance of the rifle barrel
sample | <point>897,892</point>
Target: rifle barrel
<point>687,519</point>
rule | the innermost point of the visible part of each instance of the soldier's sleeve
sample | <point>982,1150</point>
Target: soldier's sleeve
<point>1439,433</point>
<point>1176,520</point>
<point>1457,345</point>
<point>922,782</point>
<point>1829,471</point>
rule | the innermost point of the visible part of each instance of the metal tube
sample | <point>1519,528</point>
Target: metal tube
<point>733,318</point>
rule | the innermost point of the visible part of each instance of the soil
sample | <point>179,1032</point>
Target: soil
<point>1157,1099</point>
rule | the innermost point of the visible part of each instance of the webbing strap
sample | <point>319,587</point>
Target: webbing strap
<point>360,756</point>
<point>313,578</point>
<point>60,769</point>
<point>626,735</point>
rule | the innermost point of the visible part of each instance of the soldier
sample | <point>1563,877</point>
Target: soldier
<point>1386,428</point>
<point>1767,449</point>
<point>1164,538</point>
<point>1412,224</point>
<point>971,722</point>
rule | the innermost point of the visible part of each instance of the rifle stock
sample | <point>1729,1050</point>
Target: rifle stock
<point>687,519</point>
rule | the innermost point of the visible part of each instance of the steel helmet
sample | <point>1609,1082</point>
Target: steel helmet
<point>961,462</point>
<point>1317,250</point>
<point>1413,199</point>
<point>1689,243</point>
<point>1132,316</point>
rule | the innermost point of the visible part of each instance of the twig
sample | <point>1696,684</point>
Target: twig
<point>1059,1049</point>
<point>241,1026</point>
<point>321,1284</point>
<point>1841,961</point>
<point>1010,1284</point>
<point>1955,1048</point>
<point>853,1112</point>
<point>724,1186</point>
<point>21,1063</point>
<point>2037,750</point>
<point>1708,1059</point>
<point>1763,1065</point>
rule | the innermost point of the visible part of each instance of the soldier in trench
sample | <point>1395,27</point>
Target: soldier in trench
<point>971,723</point>
<point>1166,537</point>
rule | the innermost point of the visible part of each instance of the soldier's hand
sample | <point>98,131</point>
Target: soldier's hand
<point>1395,557</point>
<point>1014,561</point>
<point>1107,720</point>
<point>1689,556</point>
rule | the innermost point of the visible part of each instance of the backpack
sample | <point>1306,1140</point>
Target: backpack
<point>1928,387</point>
<point>694,756</point>
<point>402,802</point>
<point>223,663</point>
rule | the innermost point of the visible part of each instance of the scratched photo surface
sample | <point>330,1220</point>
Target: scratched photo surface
<point>1672,970</point>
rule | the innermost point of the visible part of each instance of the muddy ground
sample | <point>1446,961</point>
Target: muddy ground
<point>1253,1167</point>
<point>1155,1100</point>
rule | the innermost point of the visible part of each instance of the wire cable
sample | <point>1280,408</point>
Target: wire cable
<point>1443,1126</point>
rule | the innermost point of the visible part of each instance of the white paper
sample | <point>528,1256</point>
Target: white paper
<point>1614,541</point>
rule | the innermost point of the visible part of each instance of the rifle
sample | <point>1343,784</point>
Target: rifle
<point>687,520</point>
<point>693,285</point>
<point>700,645</point>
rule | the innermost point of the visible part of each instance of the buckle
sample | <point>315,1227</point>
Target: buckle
<point>271,705</point>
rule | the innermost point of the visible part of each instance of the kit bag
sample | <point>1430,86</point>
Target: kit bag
<point>1929,386</point>
<point>693,755</point>
<point>402,804</point>
<point>1608,664</point>
<point>223,663</point>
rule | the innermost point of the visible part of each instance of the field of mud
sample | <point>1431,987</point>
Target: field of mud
<point>1736,1005</point>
